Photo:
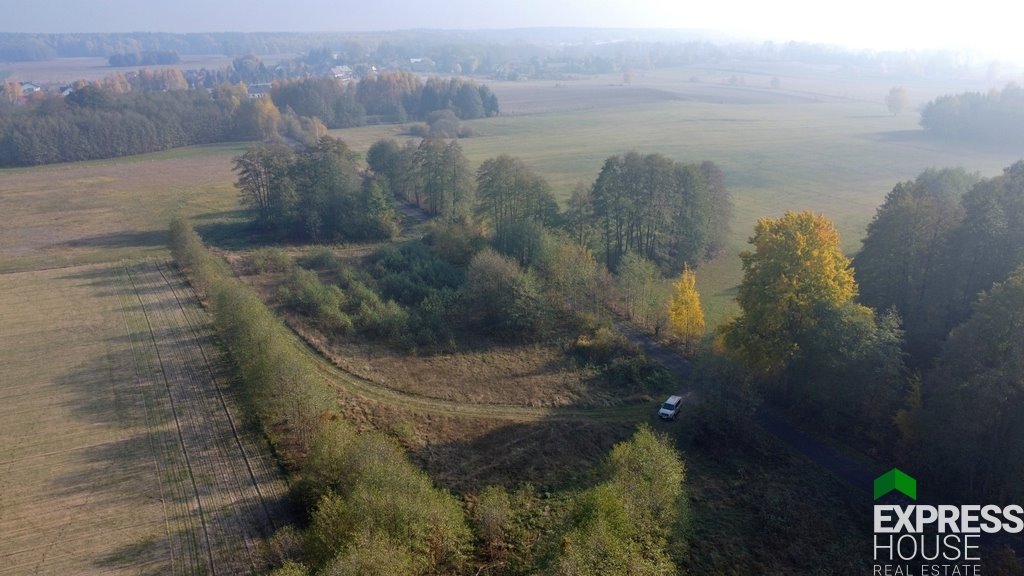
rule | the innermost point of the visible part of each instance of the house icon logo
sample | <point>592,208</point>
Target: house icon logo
<point>896,480</point>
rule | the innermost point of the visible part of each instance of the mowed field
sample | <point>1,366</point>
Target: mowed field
<point>108,210</point>
<point>121,450</point>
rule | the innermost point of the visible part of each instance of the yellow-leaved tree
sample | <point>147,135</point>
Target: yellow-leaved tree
<point>795,267</point>
<point>685,314</point>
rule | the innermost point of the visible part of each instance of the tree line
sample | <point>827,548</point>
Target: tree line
<point>95,123</point>
<point>144,58</point>
<point>913,351</point>
<point>153,110</point>
<point>316,195</point>
<point>668,212</point>
<point>946,252</point>
<point>387,96</point>
<point>996,116</point>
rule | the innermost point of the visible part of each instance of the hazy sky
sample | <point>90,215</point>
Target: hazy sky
<point>989,26</point>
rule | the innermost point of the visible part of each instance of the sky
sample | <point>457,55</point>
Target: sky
<point>988,27</point>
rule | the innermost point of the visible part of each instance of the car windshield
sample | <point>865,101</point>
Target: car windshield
<point>668,406</point>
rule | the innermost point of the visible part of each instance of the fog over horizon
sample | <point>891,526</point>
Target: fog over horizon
<point>987,30</point>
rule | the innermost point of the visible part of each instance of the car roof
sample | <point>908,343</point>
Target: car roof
<point>673,399</point>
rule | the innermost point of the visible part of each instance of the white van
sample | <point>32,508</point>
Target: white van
<point>670,409</point>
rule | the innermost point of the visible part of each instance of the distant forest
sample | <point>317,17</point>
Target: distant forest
<point>113,119</point>
<point>536,53</point>
<point>996,117</point>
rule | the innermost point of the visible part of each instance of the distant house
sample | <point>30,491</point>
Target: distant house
<point>30,88</point>
<point>66,90</point>
<point>259,90</point>
<point>422,65</point>
<point>342,72</point>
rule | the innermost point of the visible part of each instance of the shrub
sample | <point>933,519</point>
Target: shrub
<point>385,498</point>
<point>290,568</point>
<point>602,346</point>
<point>306,294</point>
<point>380,319</point>
<point>267,260</point>
<point>502,299</point>
<point>410,272</point>
<point>454,242</point>
<point>322,258</point>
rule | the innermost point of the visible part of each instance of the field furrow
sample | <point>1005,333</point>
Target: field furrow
<point>232,510</point>
<point>119,453</point>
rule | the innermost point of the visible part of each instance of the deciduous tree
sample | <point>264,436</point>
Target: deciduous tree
<point>897,100</point>
<point>685,313</point>
<point>973,415</point>
<point>904,261</point>
<point>796,265</point>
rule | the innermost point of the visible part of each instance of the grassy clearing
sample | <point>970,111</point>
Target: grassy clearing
<point>117,450</point>
<point>108,210</point>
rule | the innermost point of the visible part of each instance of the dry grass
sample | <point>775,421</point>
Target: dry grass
<point>526,375</point>
<point>108,210</point>
<point>117,448</point>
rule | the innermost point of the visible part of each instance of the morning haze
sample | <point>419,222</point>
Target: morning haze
<point>311,288</point>
<point>872,24</point>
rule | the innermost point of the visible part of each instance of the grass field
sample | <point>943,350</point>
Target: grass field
<point>107,210</point>
<point>119,449</point>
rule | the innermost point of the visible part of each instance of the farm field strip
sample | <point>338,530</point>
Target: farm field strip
<point>232,512</point>
<point>118,451</point>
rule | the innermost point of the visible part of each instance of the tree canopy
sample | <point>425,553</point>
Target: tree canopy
<point>795,266</point>
<point>668,212</point>
<point>685,313</point>
<point>973,416</point>
<point>317,194</point>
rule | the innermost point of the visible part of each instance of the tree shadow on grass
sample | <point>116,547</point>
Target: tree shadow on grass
<point>135,239</point>
<point>144,472</point>
<point>549,453</point>
<point>111,279</point>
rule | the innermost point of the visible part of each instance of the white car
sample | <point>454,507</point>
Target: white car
<point>670,409</point>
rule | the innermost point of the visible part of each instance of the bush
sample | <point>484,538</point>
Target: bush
<point>382,319</point>
<point>267,260</point>
<point>454,242</point>
<point>291,569</point>
<point>503,300</point>
<point>323,304</point>
<point>322,258</point>
<point>602,346</point>
<point>431,323</point>
<point>385,498</point>
<point>410,272</point>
